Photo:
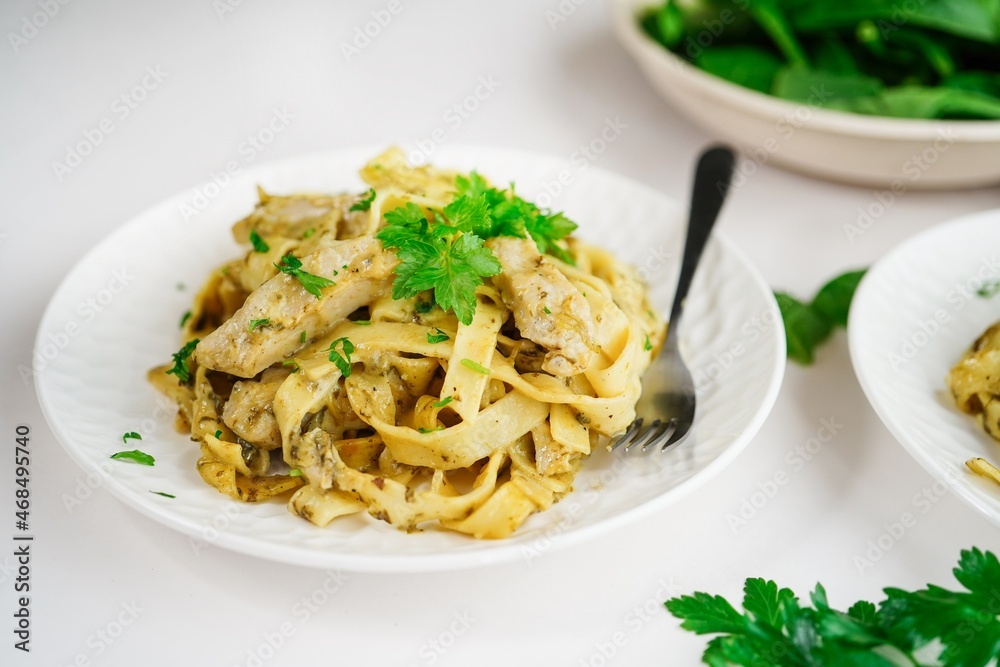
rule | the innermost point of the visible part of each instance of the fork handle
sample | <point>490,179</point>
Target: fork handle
<point>711,184</point>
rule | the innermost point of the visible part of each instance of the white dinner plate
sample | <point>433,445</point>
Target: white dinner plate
<point>913,316</point>
<point>123,301</point>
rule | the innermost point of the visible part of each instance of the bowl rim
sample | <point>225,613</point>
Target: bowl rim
<point>651,54</point>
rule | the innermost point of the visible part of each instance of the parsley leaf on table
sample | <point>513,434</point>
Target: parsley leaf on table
<point>808,325</point>
<point>932,626</point>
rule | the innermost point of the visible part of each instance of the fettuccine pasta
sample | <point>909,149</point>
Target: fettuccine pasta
<point>304,377</point>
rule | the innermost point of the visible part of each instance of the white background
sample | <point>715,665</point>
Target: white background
<point>556,86</point>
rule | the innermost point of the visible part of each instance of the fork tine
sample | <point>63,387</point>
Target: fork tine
<point>676,438</point>
<point>664,433</point>
<point>644,437</point>
<point>632,430</point>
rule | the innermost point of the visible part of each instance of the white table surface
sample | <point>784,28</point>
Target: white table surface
<point>223,73</point>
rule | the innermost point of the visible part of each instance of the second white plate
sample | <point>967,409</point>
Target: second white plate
<point>915,313</point>
<point>92,387</point>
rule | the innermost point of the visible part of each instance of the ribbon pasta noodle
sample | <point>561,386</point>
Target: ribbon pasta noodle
<point>354,401</point>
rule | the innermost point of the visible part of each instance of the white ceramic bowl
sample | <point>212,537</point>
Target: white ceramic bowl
<point>892,153</point>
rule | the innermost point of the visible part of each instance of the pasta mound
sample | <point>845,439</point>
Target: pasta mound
<point>392,406</point>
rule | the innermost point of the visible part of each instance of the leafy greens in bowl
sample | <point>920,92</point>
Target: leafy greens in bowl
<point>827,97</point>
<point>910,59</point>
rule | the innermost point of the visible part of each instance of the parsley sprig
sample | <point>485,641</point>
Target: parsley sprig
<point>292,265</point>
<point>510,215</point>
<point>446,253</point>
<point>446,258</point>
<point>181,368</point>
<point>956,628</point>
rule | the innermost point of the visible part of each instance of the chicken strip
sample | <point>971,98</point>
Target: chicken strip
<point>282,309</point>
<point>250,409</point>
<point>292,215</point>
<point>547,308</point>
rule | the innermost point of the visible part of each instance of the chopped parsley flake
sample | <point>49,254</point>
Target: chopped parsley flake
<point>342,361</point>
<point>469,363</point>
<point>131,435</point>
<point>429,430</point>
<point>546,310</point>
<point>136,456</point>
<point>302,337</point>
<point>292,265</point>
<point>218,434</point>
<point>165,495</point>
<point>184,318</point>
<point>291,363</point>
<point>259,244</point>
<point>309,232</point>
<point>363,323</point>
<point>646,345</point>
<point>443,402</point>
<point>180,367</point>
<point>295,472</point>
<point>365,202</point>
<point>259,324</point>
<point>989,289</point>
<point>437,337</point>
